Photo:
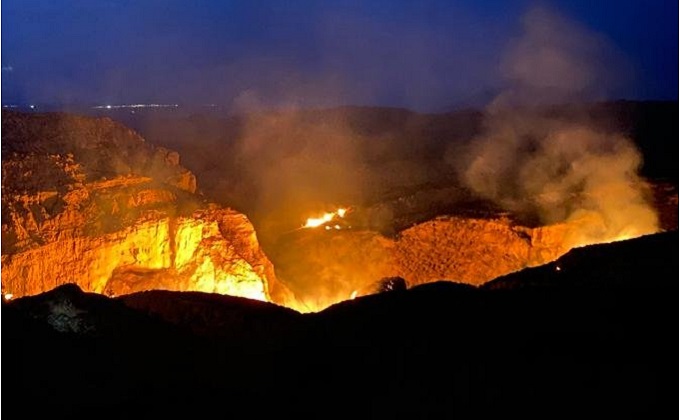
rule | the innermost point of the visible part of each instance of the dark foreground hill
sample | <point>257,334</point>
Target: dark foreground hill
<point>592,335</point>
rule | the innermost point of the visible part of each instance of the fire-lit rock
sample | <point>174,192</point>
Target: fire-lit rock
<point>460,249</point>
<point>87,201</point>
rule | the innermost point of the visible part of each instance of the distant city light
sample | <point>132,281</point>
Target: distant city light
<point>135,106</point>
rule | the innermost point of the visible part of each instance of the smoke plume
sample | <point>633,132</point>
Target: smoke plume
<point>558,169</point>
<point>297,162</point>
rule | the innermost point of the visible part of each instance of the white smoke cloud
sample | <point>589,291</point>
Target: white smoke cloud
<point>532,162</point>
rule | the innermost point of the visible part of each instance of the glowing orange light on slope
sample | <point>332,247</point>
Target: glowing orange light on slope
<point>313,222</point>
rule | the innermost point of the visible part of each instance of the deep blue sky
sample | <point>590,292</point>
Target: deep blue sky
<point>425,55</point>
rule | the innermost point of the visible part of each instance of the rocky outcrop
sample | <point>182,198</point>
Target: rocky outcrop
<point>322,267</point>
<point>87,201</point>
<point>193,252</point>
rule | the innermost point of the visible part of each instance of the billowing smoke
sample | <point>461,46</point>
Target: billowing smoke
<point>558,169</point>
<point>296,163</point>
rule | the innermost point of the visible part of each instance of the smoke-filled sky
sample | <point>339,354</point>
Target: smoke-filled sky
<point>424,55</point>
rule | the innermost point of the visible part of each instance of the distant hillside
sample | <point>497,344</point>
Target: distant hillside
<point>400,133</point>
<point>387,143</point>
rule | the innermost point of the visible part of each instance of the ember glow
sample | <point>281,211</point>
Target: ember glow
<point>314,222</point>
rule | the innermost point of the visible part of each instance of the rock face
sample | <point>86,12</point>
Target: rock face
<point>322,267</point>
<point>471,251</point>
<point>87,201</point>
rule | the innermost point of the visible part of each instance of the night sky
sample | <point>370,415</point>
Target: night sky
<point>424,55</point>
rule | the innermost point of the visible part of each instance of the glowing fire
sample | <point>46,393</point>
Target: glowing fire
<point>353,295</point>
<point>313,222</point>
<point>590,240</point>
<point>591,228</point>
<point>8,296</point>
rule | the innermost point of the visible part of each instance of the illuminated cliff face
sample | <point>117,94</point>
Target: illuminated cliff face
<point>185,254</point>
<point>115,216</point>
<point>172,253</point>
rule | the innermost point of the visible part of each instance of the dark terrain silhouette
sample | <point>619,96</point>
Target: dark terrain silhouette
<point>595,338</point>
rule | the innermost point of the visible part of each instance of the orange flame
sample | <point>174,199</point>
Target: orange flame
<point>313,222</point>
